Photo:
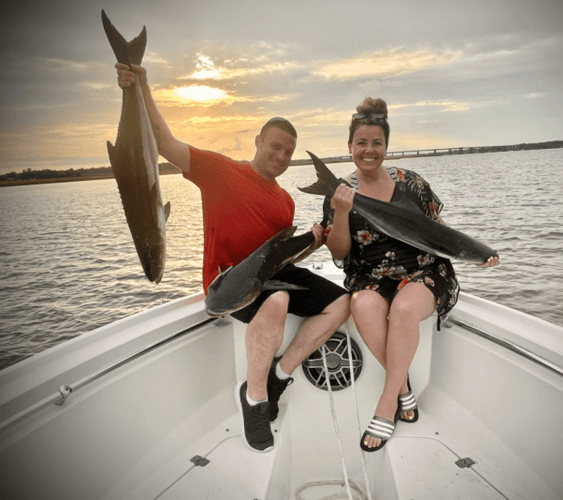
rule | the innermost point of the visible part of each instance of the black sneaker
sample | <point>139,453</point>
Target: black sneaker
<point>276,386</point>
<point>256,421</point>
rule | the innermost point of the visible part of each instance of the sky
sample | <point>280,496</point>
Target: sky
<point>471,73</point>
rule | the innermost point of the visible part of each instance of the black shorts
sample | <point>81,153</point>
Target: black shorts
<point>320,293</point>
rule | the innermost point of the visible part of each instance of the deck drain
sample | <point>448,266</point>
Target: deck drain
<point>465,462</point>
<point>199,461</point>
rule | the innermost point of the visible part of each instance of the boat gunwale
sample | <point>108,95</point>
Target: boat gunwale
<point>65,389</point>
<point>59,397</point>
<point>507,344</point>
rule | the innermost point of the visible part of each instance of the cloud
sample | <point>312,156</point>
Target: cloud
<point>153,57</point>
<point>385,64</point>
<point>65,65</point>
<point>97,85</point>
<point>238,68</point>
<point>445,105</point>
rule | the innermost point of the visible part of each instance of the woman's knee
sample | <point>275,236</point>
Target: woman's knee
<point>416,305</point>
<point>368,302</point>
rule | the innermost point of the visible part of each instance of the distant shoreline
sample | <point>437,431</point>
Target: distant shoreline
<point>53,181</point>
<point>28,182</point>
<point>168,169</point>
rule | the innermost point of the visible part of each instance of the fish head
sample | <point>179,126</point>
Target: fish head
<point>219,305</point>
<point>226,295</point>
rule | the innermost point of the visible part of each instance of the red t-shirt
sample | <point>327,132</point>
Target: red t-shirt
<point>241,209</point>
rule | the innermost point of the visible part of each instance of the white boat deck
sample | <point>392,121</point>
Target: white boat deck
<point>419,462</point>
<point>133,433</point>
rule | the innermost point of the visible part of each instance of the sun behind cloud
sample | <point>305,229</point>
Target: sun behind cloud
<point>199,93</point>
<point>193,95</point>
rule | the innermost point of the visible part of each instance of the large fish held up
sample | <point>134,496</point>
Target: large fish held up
<point>406,224</point>
<point>239,285</point>
<point>134,161</point>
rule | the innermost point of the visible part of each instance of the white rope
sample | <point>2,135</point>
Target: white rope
<point>336,430</point>
<point>334,496</point>
<point>360,434</point>
<point>348,483</point>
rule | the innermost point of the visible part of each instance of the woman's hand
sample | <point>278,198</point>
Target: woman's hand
<point>491,262</point>
<point>126,75</point>
<point>343,199</point>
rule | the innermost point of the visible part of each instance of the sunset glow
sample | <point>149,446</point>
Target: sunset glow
<point>452,75</point>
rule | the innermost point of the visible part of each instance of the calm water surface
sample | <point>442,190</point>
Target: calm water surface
<point>69,264</point>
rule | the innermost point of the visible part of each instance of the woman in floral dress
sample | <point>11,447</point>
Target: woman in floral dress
<point>394,286</point>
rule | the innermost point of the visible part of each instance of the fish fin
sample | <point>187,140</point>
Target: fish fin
<point>154,194</point>
<point>285,234</point>
<point>327,181</point>
<point>406,203</point>
<point>111,154</point>
<point>281,285</point>
<point>126,52</point>
<point>136,47</point>
<point>295,246</point>
<point>111,147</point>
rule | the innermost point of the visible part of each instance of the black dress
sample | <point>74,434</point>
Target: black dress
<point>383,264</point>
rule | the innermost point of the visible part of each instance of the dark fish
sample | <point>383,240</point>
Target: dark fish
<point>134,161</point>
<point>239,285</point>
<point>405,223</point>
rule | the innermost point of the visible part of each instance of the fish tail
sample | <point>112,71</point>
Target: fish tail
<point>327,182</point>
<point>126,52</point>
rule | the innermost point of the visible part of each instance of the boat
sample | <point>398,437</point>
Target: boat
<point>144,408</point>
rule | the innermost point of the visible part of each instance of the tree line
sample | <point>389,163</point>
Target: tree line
<point>30,174</point>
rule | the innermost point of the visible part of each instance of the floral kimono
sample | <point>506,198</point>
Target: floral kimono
<point>383,264</point>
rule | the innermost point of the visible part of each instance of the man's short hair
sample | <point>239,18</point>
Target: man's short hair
<point>281,123</point>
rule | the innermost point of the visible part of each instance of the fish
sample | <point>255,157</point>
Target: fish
<point>134,162</point>
<point>405,223</point>
<point>239,285</point>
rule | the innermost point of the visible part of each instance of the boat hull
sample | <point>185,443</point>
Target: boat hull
<point>135,421</point>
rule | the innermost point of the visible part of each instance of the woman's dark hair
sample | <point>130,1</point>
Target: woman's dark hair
<point>370,107</point>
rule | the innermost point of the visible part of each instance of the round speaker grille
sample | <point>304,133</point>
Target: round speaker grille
<point>337,362</point>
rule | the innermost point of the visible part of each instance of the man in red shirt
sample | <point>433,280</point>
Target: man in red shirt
<point>243,207</point>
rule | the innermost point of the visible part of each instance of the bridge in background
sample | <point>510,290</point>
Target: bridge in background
<point>418,153</point>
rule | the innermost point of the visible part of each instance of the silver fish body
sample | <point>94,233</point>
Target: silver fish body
<point>240,285</point>
<point>406,223</point>
<point>134,161</point>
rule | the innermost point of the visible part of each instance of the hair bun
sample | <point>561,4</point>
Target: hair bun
<point>371,105</point>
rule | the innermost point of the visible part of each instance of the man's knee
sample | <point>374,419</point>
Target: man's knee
<point>278,301</point>
<point>273,311</point>
<point>340,308</point>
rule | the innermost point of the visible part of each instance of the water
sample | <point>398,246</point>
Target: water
<point>69,264</point>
